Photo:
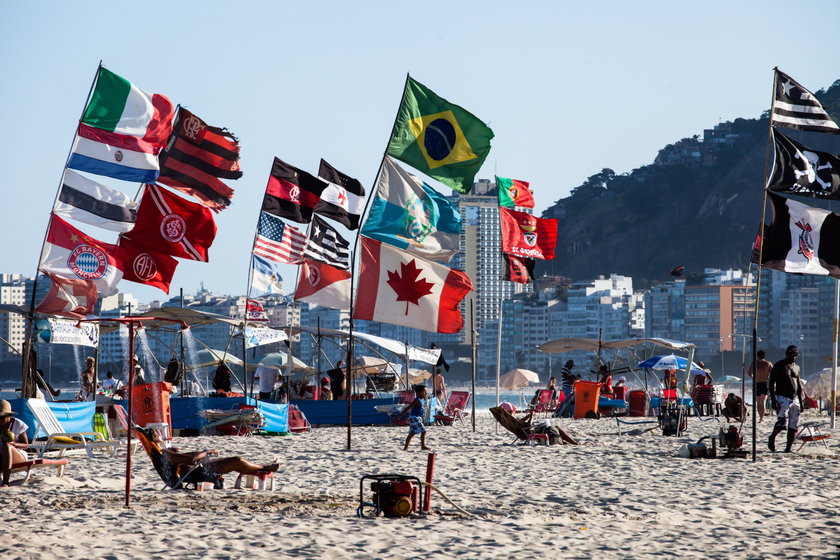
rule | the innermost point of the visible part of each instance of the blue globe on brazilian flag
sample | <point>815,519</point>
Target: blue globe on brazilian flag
<point>438,138</point>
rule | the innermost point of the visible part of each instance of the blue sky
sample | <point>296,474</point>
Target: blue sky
<point>567,88</point>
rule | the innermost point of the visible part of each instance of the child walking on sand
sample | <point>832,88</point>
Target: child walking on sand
<point>416,412</point>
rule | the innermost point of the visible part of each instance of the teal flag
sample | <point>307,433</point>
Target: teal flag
<point>411,215</point>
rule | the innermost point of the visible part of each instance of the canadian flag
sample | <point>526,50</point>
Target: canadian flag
<point>402,289</point>
<point>74,298</point>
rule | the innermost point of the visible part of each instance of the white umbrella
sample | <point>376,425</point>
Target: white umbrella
<point>518,378</point>
<point>210,357</point>
<point>727,380</point>
<point>279,359</point>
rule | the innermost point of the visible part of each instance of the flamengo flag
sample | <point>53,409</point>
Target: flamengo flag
<point>278,241</point>
<point>127,158</point>
<point>146,267</point>
<point>524,235</point>
<point>324,285</point>
<point>343,198</point>
<point>519,270</point>
<point>291,193</point>
<point>401,289</point>
<point>411,215</point>
<point>803,171</point>
<point>514,193</point>
<point>169,224</point>
<point>796,107</point>
<point>117,105</point>
<point>74,298</point>
<point>69,253</point>
<point>439,138</point>
<point>326,245</point>
<point>196,156</point>
<point>265,277</point>
<point>802,239</point>
<point>91,203</point>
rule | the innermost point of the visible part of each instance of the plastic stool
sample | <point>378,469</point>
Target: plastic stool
<point>260,480</point>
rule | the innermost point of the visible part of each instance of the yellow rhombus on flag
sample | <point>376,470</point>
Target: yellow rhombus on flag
<point>438,138</point>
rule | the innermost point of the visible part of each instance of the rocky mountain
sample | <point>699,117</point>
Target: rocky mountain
<point>697,205</point>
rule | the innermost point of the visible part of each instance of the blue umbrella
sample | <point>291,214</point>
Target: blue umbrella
<point>669,361</point>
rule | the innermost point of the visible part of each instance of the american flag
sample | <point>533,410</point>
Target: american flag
<point>278,241</point>
<point>796,107</point>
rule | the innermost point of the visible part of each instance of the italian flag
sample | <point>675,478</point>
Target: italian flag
<point>119,106</point>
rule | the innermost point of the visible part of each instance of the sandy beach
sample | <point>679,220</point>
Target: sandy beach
<point>627,496</point>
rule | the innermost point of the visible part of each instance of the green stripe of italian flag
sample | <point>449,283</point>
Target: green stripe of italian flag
<point>119,106</point>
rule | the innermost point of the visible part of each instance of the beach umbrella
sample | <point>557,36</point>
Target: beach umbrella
<point>518,378</point>
<point>210,357</point>
<point>669,361</point>
<point>279,359</point>
<point>819,385</point>
<point>728,380</point>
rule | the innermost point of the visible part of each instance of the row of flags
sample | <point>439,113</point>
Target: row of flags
<point>801,238</point>
<point>410,234</point>
<point>128,134</point>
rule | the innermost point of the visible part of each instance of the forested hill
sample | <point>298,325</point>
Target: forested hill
<point>697,205</point>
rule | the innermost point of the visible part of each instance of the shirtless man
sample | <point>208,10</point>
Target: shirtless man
<point>761,369</point>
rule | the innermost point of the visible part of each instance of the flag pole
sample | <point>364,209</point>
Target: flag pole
<point>353,266</point>
<point>27,388</point>
<point>761,257</point>
<point>474,336</point>
<point>834,355</point>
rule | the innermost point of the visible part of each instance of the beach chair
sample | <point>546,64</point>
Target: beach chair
<point>810,432</point>
<point>526,432</point>
<point>543,402</point>
<point>455,408</point>
<point>27,466</point>
<point>175,476</point>
<point>61,441</point>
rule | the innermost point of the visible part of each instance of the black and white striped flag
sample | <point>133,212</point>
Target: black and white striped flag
<point>326,245</point>
<point>796,107</point>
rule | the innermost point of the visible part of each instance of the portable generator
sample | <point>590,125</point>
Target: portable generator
<point>394,495</point>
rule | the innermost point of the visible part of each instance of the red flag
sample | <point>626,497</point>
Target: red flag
<point>401,289</point>
<point>323,284</point>
<point>171,225</point>
<point>254,311</point>
<point>524,235</point>
<point>145,266</point>
<point>74,298</point>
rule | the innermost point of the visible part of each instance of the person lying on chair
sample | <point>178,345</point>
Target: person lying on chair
<point>14,441</point>
<point>174,456</point>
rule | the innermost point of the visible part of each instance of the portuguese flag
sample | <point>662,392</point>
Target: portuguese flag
<point>439,138</point>
<point>119,106</point>
<point>514,193</point>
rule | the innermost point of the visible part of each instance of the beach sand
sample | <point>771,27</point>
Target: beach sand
<point>627,496</point>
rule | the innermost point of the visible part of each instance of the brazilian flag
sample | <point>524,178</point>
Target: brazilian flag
<point>439,138</point>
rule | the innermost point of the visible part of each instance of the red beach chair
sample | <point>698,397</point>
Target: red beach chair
<point>543,403</point>
<point>455,408</point>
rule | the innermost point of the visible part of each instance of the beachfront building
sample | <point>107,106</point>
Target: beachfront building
<point>718,314</point>
<point>15,289</point>
<point>525,325</point>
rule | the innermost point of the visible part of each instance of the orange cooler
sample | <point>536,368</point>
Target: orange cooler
<point>586,399</point>
<point>150,403</point>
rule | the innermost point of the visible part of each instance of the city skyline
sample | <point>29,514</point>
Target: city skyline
<point>636,69</point>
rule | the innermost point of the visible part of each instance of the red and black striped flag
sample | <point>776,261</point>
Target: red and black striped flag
<point>196,157</point>
<point>516,269</point>
<point>292,193</point>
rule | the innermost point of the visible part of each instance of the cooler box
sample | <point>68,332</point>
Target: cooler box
<point>638,403</point>
<point>586,399</point>
<point>150,404</point>
<point>620,393</point>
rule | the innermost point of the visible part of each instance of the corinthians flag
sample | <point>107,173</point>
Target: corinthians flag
<point>802,239</point>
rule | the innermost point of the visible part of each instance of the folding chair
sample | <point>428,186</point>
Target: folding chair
<point>810,432</point>
<point>455,408</point>
<point>543,404</point>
